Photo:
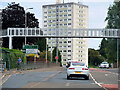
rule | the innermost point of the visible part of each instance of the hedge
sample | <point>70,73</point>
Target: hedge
<point>14,55</point>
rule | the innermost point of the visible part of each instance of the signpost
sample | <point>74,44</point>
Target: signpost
<point>31,50</point>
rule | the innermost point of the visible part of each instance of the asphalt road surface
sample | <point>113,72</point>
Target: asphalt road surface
<point>99,79</point>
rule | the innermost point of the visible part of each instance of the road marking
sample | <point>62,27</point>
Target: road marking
<point>96,82</point>
<point>2,76</point>
<point>67,84</point>
<point>106,74</point>
<point>45,79</point>
<point>5,80</point>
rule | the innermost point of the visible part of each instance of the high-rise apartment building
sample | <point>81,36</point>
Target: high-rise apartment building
<point>67,15</point>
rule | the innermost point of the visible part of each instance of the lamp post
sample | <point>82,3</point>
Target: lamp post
<point>117,44</point>
<point>26,23</point>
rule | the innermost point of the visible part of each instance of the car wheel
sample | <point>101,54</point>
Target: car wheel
<point>87,78</point>
<point>68,77</point>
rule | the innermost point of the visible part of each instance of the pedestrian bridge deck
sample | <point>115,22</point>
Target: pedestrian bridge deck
<point>60,33</point>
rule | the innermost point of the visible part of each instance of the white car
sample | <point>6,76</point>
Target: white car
<point>77,69</point>
<point>104,65</point>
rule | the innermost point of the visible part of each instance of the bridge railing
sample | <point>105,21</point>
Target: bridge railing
<point>59,32</point>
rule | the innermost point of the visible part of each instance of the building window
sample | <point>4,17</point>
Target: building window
<point>49,12</point>
<point>69,5</point>
<point>65,15</point>
<point>49,16</point>
<point>64,51</point>
<point>69,23</point>
<point>61,11</point>
<point>69,14</point>
<point>69,50</point>
<point>65,19</point>
<point>49,8</point>
<point>53,20</point>
<point>65,24</point>
<point>49,21</point>
<point>60,6</point>
<point>49,25</point>
<point>69,10</point>
<point>65,41</point>
<point>69,55</point>
<point>53,25</point>
<point>45,21</point>
<point>64,60</point>
<point>54,16</point>
<point>60,42</point>
<point>60,15</point>
<point>45,16</point>
<point>69,46</point>
<point>69,19</point>
<point>45,25</point>
<point>65,6</point>
<point>64,55</point>
<point>53,11</point>
<point>60,20</point>
<point>69,41</point>
<point>64,46</point>
<point>65,10</point>
<point>60,24</point>
<point>45,12</point>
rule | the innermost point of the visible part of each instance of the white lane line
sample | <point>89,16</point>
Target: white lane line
<point>114,73</point>
<point>96,81</point>
<point>67,84</point>
<point>106,74</point>
<point>5,80</point>
<point>2,76</point>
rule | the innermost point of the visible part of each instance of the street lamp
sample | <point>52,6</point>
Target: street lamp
<point>117,43</point>
<point>26,22</point>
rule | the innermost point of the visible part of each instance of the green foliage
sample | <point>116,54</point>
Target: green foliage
<point>43,55</point>
<point>108,48</point>
<point>13,56</point>
<point>54,54</point>
<point>41,44</point>
<point>94,57</point>
<point>12,50</point>
<point>13,16</point>
<point>113,16</point>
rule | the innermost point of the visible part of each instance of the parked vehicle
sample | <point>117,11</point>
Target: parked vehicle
<point>104,65</point>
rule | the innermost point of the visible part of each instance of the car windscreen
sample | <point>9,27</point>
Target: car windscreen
<point>104,63</point>
<point>78,64</point>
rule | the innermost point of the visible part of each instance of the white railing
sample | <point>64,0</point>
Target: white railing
<point>69,32</point>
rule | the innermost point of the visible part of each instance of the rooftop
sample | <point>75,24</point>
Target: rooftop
<point>65,4</point>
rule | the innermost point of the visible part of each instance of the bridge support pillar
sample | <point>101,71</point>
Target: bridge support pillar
<point>10,42</point>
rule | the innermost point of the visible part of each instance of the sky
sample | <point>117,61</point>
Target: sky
<point>97,12</point>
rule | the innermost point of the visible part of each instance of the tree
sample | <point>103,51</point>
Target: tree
<point>54,54</point>
<point>94,57</point>
<point>41,42</point>
<point>13,16</point>
<point>103,48</point>
<point>109,49</point>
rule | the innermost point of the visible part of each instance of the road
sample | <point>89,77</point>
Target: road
<point>99,79</point>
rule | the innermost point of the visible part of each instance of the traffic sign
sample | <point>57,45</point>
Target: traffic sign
<point>56,57</point>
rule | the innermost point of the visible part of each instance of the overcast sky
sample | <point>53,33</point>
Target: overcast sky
<point>97,12</point>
